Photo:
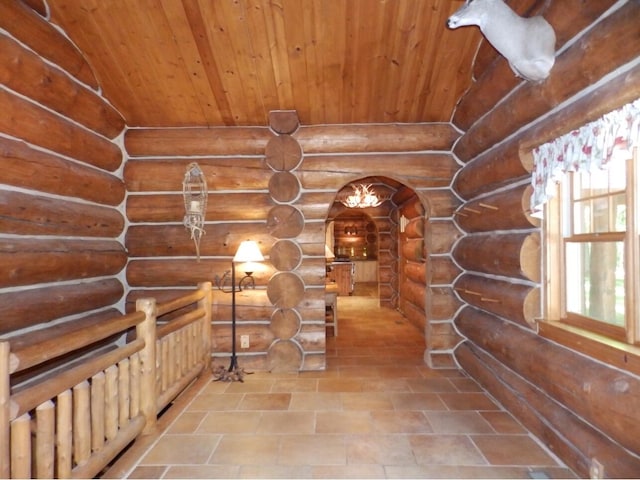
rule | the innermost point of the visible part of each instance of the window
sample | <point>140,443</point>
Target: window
<point>589,181</point>
<point>593,226</point>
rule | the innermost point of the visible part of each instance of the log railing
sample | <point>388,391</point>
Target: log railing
<point>72,421</point>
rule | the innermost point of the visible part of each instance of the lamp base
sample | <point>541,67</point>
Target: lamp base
<point>224,374</point>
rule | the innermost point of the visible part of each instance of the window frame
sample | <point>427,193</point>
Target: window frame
<point>619,346</point>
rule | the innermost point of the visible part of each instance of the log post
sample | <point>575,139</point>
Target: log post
<point>205,304</point>
<point>146,330</point>
<point>5,399</point>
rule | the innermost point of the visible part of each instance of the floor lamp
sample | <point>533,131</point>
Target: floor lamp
<point>249,254</point>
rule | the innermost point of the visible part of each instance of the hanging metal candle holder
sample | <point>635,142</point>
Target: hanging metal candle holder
<point>194,189</point>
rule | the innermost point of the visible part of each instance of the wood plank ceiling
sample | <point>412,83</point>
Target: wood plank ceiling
<point>230,62</point>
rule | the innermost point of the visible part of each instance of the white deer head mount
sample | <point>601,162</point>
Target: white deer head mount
<point>528,44</point>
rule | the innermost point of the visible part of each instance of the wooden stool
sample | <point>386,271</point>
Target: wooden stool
<point>331,305</point>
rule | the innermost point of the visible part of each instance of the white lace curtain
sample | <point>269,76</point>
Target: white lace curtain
<point>583,150</point>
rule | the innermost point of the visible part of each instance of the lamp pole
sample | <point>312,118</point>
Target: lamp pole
<point>234,360</point>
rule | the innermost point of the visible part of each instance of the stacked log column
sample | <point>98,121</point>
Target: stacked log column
<point>298,317</point>
<point>60,188</point>
<point>574,403</point>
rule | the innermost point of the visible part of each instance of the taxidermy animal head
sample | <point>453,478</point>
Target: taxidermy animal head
<point>528,44</point>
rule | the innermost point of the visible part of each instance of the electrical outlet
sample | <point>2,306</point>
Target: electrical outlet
<point>244,341</point>
<point>596,469</point>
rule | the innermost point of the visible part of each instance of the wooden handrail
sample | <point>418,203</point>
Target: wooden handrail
<point>180,302</point>
<point>30,355</point>
<point>28,399</point>
<point>179,322</point>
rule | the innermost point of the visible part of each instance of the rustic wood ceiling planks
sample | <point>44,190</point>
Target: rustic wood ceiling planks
<point>230,62</point>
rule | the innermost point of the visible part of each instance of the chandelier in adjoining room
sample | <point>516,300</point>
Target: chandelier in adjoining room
<point>363,196</point>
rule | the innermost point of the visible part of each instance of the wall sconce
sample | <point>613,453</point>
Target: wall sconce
<point>194,191</point>
<point>249,254</point>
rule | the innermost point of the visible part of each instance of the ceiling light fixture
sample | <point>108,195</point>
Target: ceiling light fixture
<point>363,196</point>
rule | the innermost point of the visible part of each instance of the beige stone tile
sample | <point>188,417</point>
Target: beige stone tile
<point>187,422</point>
<point>211,402</point>
<point>417,401</point>
<point>265,401</point>
<point>379,449</point>
<point>315,401</point>
<point>246,450</point>
<point>289,422</point>
<point>236,421</point>
<point>468,401</point>
<point>251,385</point>
<point>339,385</point>
<point>445,450</point>
<point>366,401</point>
<point>316,449</point>
<point>343,422</point>
<point>348,471</point>
<point>512,450</point>
<point>464,471</point>
<point>181,449</point>
<point>458,422</point>
<point>289,385</point>
<point>391,421</point>
<point>466,385</point>
<point>276,471</point>
<point>431,385</point>
<point>503,422</point>
<point>202,471</point>
<point>144,472</point>
<point>385,385</point>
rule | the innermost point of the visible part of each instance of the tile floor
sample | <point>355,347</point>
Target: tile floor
<point>376,412</point>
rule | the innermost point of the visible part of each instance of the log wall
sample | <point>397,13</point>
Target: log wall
<point>504,119</point>
<point>60,188</point>
<point>276,185</point>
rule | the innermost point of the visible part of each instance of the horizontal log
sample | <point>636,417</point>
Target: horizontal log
<point>27,26</point>
<point>511,255</point>
<point>316,205</point>
<point>413,249</point>
<point>442,270</point>
<point>496,168</point>
<point>376,138</point>
<point>161,208</point>
<point>25,167</point>
<point>22,309</point>
<point>412,208</point>
<point>413,313</point>
<point>443,303</point>
<point>442,336</point>
<point>37,5</point>
<point>402,194</point>
<point>161,175</point>
<point>284,121</point>
<point>440,236</point>
<point>415,228</point>
<point>603,396</point>
<point>568,436</point>
<point>415,272</point>
<point>25,214</point>
<point>416,170</point>
<point>150,142</point>
<point>37,125</point>
<point>31,261</point>
<point>611,44</point>
<point>439,203</point>
<point>495,77</point>
<point>506,210</point>
<point>260,337</point>
<point>519,303</point>
<point>28,74</point>
<point>414,293</point>
<point>505,164</point>
<point>189,271</point>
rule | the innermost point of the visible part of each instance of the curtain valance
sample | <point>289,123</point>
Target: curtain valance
<point>590,147</point>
